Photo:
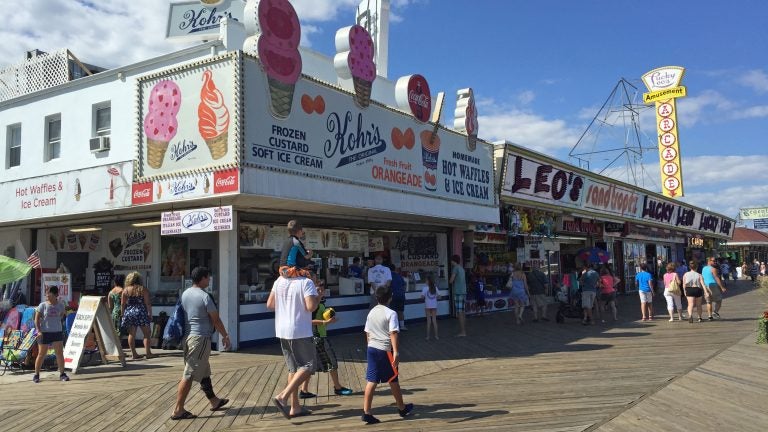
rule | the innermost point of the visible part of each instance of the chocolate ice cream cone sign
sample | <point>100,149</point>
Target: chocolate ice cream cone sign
<point>354,59</point>
<point>466,116</point>
<point>412,95</point>
<point>277,33</point>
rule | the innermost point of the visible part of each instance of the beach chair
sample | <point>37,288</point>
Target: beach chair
<point>16,357</point>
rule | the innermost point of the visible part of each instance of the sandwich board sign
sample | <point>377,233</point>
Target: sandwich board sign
<point>92,315</point>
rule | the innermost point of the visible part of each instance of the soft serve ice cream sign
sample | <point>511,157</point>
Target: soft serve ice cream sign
<point>186,118</point>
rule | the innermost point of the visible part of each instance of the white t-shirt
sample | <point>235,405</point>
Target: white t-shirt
<point>378,275</point>
<point>430,301</point>
<point>380,323</point>
<point>292,321</point>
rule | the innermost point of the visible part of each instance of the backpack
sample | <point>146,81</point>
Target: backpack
<point>175,327</point>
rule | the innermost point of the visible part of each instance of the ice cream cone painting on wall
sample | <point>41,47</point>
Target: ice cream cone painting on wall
<point>466,116</point>
<point>160,123</point>
<point>278,52</point>
<point>213,117</point>
<point>354,59</point>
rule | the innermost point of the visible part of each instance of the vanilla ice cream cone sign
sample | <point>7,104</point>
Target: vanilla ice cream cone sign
<point>354,59</point>
<point>187,118</point>
<point>664,87</point>
<point>277,33</point>
<point>466,116</point>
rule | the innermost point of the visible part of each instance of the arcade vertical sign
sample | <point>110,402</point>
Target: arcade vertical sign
<point>663,88</point>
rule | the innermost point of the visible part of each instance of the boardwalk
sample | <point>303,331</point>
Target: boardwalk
<point>613,377</point>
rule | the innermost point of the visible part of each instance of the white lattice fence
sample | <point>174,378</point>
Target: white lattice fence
<point>37,73</point>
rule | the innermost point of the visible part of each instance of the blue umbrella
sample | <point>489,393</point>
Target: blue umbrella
<point>593,255</point>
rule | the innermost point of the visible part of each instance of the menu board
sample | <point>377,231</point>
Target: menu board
<point>272,238</point>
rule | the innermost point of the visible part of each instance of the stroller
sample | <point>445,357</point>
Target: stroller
<point>569,307</point>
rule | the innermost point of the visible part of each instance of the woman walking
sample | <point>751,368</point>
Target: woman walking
<point>429,295</point>
<point>672,292</point>
<point>520,294</point>
<point>607,293</point>
<point>113,302</point>
<point>137,312</point>
<point>693,287</point>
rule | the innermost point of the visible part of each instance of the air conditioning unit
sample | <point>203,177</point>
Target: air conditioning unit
<point>99,144</point>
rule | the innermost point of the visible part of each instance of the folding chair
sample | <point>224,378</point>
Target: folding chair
<point>15,357</point>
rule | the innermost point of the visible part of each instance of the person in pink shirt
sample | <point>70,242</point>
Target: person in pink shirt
<point>607,293</point>
<point>672,292</point>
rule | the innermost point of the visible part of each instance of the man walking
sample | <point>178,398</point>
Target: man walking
<point>378,275</point>
<point>202,317</point>
<point>714,288</point>
<point>537,285</point>
<point>588,281</point>
<point>294,300</point>
<point>458,282</point>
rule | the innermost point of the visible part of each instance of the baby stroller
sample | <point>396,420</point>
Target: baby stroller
<point>570,307</point>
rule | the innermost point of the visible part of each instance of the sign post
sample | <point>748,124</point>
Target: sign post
<point>92,315</point>
<point>664,87</point>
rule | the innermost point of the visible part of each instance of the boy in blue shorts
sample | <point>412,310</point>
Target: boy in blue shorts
<point>382,328</point>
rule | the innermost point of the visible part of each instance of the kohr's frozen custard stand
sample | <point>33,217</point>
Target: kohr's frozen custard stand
<point>234,145</point>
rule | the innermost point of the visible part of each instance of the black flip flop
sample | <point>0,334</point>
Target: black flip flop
<point>186,415</point>
<point>219,405</point>
<point>282,408</point>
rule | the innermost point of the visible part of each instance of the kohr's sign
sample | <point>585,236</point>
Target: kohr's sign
<point>200,19</point>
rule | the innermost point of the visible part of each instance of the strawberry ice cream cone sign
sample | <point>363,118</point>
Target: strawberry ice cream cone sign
<point>466,116</point>
<point>354,59</point>
<point>276,42</point>
<point>412,95</point>
<point>160,123</point>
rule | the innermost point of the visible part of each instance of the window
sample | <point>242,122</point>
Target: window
<point>103,119</point>
<point>52,137</point>
<point>13,138</point>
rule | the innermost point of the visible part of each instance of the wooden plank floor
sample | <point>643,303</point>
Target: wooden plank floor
<point>537,377</point>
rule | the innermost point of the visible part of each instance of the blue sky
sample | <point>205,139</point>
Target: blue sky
<point>540,69</point>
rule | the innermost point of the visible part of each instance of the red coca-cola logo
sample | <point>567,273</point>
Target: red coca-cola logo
<point>142,193</point>
<point>413,93</point>
<point>226,181</point>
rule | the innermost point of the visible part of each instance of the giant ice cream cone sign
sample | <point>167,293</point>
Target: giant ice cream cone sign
<point>354,59</point>
<point>466,116</point>
<point>276,41</point>
<point>664,87</point>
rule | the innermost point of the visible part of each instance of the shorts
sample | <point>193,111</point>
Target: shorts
<point>716,296</point>
<point>695,292</point>
<point>299,354</point>
<point>397,304</point>
<point>48,338</point>
<point>608,297</point>
<point>646,296</point>
<point>538,300</point>
<point>458,302</point>
<point>326,356</point>
<point>380,368</point>
<point>197,351</point>
<point>588,299</point>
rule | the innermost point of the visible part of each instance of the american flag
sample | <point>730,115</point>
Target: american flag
<point>34,260</point>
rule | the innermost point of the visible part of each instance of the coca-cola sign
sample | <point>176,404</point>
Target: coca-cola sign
<point>142,193</point>
<point>412,94</point>
<point>226,181</point>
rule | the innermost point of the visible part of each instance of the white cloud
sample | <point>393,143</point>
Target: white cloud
<point>716,170</point>
<point>704,107</point>
<point>527,129</point>
<point>526,97</point>
<point>756,80</point>
<point>752,112</point>
<point>727,201</point>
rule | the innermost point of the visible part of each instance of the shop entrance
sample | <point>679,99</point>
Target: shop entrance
<point>77,263</point>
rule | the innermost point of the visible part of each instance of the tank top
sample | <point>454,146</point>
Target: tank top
<point>706,273</point>
<point>691,279</point>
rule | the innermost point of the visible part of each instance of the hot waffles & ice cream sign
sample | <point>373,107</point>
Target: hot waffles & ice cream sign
<point>329,134</point>
<point>187,119</point>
